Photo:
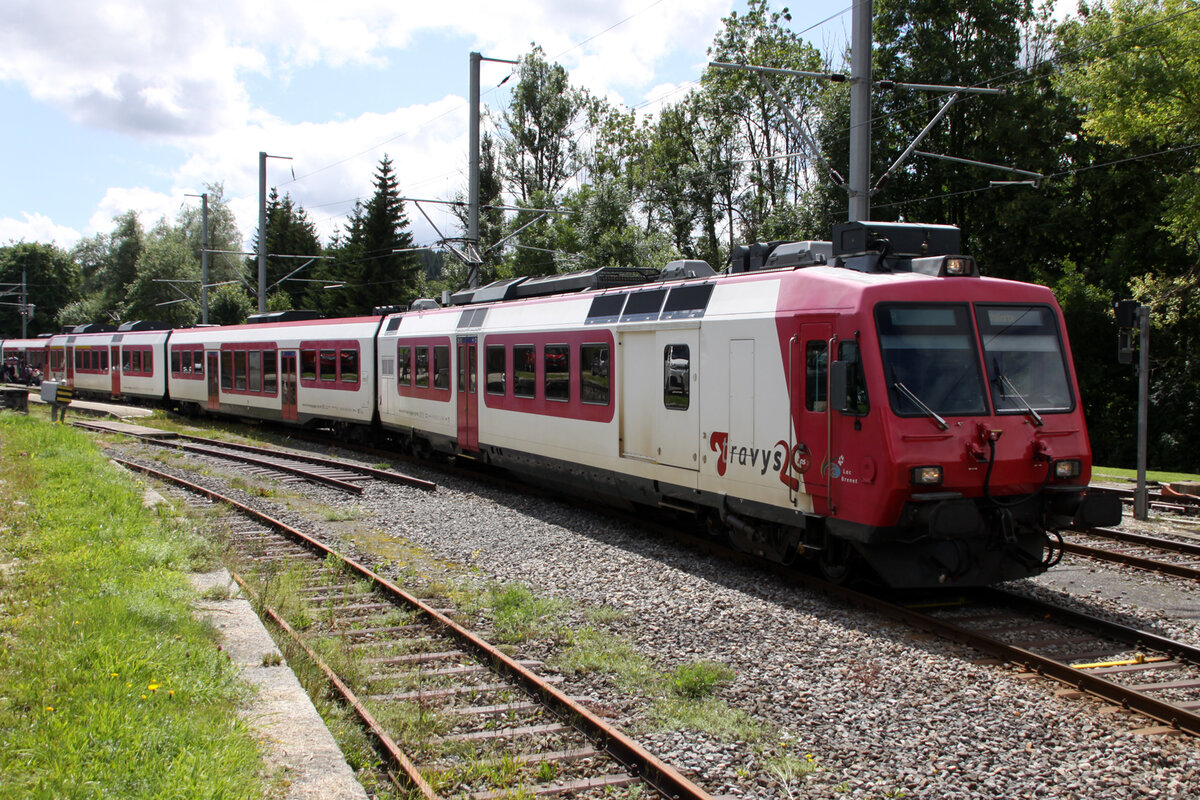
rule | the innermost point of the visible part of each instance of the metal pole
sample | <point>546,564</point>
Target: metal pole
<point>262,232</point>
<point>24,305</point>
<point>472,248</point>
<point>1141,504</point>
<point>204,258</point>
<point>860,111</point>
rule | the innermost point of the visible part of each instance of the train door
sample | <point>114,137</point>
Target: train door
<point>812,452</point>
<point>212,364</point>
<point>677,401</point>
<point>639,365</point>
<point>288,405</point>
<point>70,365</point>
<point>114,365</point>
<point>468,397</point>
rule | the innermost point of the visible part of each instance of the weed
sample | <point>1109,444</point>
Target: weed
<point>518,615</point>
<point>547,771</point>
<point>699,679</point>
<point>218,593</point>
<point>272,659</point>
<point>790,770</point>
<point>591,650</point>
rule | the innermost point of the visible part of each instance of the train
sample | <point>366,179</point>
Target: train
<point>871,404</point>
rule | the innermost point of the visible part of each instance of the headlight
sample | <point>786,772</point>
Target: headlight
<point>959,265</point>
<point>1068,468</point>
<point>926,476</point>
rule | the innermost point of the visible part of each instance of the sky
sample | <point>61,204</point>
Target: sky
<point>112,105</point>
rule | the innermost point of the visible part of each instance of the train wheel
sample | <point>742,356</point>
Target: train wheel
<point>838,561</point>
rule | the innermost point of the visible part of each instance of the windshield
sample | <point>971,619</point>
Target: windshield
<point>1024,358</point>
<point>930,358</point>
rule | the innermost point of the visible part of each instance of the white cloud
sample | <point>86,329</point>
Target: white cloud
<point>177,73</point>
<point>36,228</point>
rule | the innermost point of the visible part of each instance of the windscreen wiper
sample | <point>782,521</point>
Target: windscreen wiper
<point>916,401</point>
<point>1012,392</point>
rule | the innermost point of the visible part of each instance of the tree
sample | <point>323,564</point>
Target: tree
<point>52,281</point>
<point>1139,89</point>
<point>289,233</point>
<point>389,272</point>
<point>229,305</point>
<point>541,150</point>
<point>167,282</point>
<point>773,161</point>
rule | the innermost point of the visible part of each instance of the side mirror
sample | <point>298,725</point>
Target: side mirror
<point>840,373</point>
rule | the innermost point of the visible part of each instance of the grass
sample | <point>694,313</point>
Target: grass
<point>1116,473</point>
<point>109,687</point>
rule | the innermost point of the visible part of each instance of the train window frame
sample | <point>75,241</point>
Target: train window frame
<point>348,366</point>
<point>595,362</point>
<point>556,384</point>
<point>239,370</point>
<point>270,372</point>
<point>672,355</point>
<point>177,362</point>
<point>227,369</point>
<point>254,371</point>
<point>308,364</point>
<point>816,375</point>
<point>1009,397</point>
<point>327,365</point>
<point>856,388</point>
<point>532,380</point>
<point>421,378</point>
<point>441,367</point>
<point>404,371</point>
<point>932,331</point>
<point>495,355</point>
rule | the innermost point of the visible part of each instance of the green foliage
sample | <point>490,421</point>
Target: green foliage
<point>229,305</point>
<point>699,679</point>
<point>52,282</point>
<point>289,234</point>
<point>1137,85</point>
<point>106,678</point>
<point>518,615</point>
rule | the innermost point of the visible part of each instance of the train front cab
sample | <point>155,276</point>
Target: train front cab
<point>956,445</point>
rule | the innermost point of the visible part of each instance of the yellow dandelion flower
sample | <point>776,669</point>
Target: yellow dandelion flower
<point>112,674</point>
<point>49,708</point>
<point>171,692</point>
<point>153,687</point>
<point>143,697</point>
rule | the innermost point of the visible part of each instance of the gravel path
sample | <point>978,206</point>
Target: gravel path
<point>883,710</point>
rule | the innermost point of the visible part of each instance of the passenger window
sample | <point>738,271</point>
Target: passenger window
<point>239,370</point>
<point>254,361</point>
<point>558,372</point>
<point>198,364</point>
<point>496,378</point>
<point>126,359</point>
<point>441,366</point>
<point>524,370</point>
<point>404,366</point>
<point>856,391</point>
<point>328,365</point>
<point>816,356</point>
<point>348,366</point>
<point>308,365</point>
<point>677,376</point>
<point>148,362</point>
<point>422,370</point>
<point>594,381</point>
<point>270,372</point>
<point>176,369</point>
<point>226,370</point>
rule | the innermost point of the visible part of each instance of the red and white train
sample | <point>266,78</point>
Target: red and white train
<point>869,402</point>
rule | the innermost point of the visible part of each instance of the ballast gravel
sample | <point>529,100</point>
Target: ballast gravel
<point>882,710</point>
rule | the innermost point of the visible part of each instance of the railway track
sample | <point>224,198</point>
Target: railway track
<point>453,714</point>
<point>1151,553</point>
<point>1131,669</point>
<point>298,466</point>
